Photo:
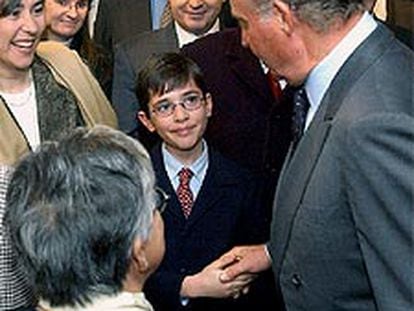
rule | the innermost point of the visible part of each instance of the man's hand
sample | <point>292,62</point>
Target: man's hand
<point>244,260</point>
<point>207,282</point>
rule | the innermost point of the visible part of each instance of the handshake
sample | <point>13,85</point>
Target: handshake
<point>228,276</point>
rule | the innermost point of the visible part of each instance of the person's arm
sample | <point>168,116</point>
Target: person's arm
<point>124,100</point>
<point>378,161</point>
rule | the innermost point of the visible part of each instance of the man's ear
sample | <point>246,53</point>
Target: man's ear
<point>209,104</point>
<point>139,256</point>
<point>142,117</point>
<point>284,16</point>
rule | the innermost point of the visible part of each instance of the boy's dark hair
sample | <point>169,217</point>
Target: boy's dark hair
<point>165,72</point>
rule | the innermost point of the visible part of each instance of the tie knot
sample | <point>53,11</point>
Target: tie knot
<point>185,175</point>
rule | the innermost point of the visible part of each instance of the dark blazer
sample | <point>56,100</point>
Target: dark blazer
<point>342,232</point>
<point>130,56</point>
<point>116,20</point>
<point>227,212</point>
<point>248,125</point>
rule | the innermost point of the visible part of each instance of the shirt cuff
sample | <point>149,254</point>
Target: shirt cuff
<point>184,301</point>
<point>267,253</point>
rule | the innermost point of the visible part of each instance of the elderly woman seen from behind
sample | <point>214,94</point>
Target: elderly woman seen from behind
<point>45,89</point>
<point>84,215</point>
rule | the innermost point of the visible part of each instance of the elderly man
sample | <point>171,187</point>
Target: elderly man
<point>83,216</point>
<point>342,229</point>
<point>191,20</point>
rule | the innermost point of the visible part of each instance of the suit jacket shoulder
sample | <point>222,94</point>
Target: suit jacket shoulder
<point>116,20</point>
<point>139,47</point>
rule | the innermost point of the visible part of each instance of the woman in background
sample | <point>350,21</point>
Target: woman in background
<point>66,22</point>
<point>45,89</point>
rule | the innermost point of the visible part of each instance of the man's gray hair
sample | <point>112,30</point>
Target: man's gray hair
<point>320,14</point>
<point>75,208</point>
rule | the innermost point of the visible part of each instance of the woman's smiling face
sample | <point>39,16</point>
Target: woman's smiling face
<point>64,18</point>
<point>21,27</point>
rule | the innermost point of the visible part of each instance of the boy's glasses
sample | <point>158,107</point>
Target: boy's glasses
<point>166,108</point>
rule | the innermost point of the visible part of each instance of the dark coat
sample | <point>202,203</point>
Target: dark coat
<point>116,20</point>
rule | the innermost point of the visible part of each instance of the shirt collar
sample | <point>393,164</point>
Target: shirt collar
<point>174,166</point>
<point>323,74</point>
<point>185,37</point>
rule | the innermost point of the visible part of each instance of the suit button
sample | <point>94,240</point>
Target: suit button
<point>296,280</point>
<point>182,270</point>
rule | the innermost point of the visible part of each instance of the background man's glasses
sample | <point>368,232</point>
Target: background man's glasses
<point>166,108</point>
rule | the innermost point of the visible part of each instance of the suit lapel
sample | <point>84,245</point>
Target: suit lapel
<point>298,167</point>
<point>168,39</point>
<point>214,186</point>
<point>210,193</point>
<point>164,183</point>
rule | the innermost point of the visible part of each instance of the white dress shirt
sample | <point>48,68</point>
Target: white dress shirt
<point>199,169</point>
<point>185,37</point>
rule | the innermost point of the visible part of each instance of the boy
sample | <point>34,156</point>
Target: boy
<point>214,204</point>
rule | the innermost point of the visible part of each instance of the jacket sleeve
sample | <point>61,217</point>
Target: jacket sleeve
<point>124,100</point>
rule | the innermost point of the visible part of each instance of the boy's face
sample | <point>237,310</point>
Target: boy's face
<point>183,129</point>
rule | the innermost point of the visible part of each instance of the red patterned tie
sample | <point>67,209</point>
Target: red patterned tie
<point>185,196</point>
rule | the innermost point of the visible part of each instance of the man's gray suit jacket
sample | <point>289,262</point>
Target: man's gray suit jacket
<point>343,220</point>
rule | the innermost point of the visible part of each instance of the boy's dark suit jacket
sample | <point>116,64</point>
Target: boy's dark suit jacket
<point>226,213</point>
<point>342,233</point>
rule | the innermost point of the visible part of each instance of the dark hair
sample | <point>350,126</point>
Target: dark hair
<point>95,56</point>
<point>8,6</point>
<point>75,209</point>
<point>165,72</point>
